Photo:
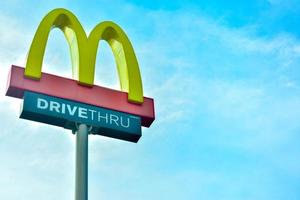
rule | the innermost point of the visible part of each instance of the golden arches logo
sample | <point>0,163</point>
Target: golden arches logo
<point>84,50</point>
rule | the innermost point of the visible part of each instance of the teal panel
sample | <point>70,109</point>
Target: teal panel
<point>65,113</point>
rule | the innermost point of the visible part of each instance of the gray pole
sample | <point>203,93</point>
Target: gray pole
<point>81,192</point>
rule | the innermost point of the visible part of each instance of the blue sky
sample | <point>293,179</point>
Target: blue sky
<point>225,77</point>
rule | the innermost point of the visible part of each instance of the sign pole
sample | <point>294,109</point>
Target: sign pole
<point>81,192</point>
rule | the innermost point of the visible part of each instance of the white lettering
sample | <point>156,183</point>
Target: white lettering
<point>63,108</point>
<point>71,110</point>
<point>54,106</point>
<point>102,117</point>
<point>42,104</point>
<point>128,123</point>
<point>114,118</point>
<point>82,112</point>
<point>92,113</point>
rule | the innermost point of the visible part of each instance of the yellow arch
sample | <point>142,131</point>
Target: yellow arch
<point>84,51</point>
<point>128,68</point>
<point>74,33</point>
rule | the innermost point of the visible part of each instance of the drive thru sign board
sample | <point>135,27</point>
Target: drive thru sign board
<point>65,113</point>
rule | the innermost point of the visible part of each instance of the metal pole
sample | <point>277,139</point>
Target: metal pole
<point>81,192</point>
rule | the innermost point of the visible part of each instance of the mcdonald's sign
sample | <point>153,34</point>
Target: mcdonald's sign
<point>32,84</point>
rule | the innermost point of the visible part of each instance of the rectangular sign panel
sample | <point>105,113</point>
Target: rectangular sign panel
<point>66,113</point>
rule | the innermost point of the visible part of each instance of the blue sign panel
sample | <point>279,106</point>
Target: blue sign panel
<point>66,113</point>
